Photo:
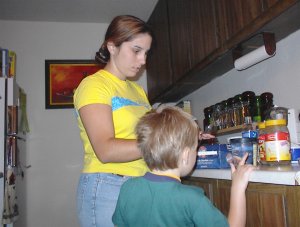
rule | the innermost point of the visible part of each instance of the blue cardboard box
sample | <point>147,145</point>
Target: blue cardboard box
<point>295,153</point>
<point>212,157</point>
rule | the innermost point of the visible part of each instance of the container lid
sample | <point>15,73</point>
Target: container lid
<point>242,140</point>
<point>266,95</point>
<point>275,122</point>
<point>261,125</point>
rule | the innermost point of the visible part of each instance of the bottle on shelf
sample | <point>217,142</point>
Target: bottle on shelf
<point>217,118</point>
<point>230,120</point>
<point>238,110</point>
<point>256,110</point>
<point>248,98</point>
<point>207,121</point>
<point>266,101</point>
<point>223,115</point>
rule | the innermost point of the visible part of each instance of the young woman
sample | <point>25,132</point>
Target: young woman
<point>108,106</point>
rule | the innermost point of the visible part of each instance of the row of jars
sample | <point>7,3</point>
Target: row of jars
<point>232,112</point>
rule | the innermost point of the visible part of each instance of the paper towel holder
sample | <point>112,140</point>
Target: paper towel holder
<point>261,43</point>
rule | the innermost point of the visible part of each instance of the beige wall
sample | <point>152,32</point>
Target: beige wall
<point>54,149</point>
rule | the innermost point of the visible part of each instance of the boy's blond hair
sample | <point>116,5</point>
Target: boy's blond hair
<point>163,134</point>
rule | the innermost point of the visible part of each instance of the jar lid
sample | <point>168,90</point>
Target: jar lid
<point>267,95</point>
<point>261,125</point>
<point>275,122</point>
<point>248,96</point>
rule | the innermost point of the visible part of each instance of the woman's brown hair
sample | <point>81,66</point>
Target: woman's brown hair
<point>122,29</point>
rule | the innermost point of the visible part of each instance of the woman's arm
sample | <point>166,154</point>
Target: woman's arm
<point>98,123</point>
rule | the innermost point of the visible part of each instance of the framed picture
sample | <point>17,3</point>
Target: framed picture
<point>62,79</point>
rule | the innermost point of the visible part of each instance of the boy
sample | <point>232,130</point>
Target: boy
<point>168,139</point>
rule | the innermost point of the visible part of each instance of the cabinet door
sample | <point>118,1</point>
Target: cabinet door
<point>222,197</point>
<point>159,73</point>
<point>235,15</point>
<point>267,204</point>
<point>192,33</point>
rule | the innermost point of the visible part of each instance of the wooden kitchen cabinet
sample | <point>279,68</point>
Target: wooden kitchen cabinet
<point>240,19</point>
<point>186,33</point>
<point>195,39</point>
<point>193,31</point>
<point>159,71</point>
<point>235,15</point>
<point>267,204</point>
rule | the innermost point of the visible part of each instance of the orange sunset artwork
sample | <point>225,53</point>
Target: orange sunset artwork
<point>64,79</point>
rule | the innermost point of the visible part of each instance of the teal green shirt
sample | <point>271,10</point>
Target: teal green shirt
<point>154,200</point>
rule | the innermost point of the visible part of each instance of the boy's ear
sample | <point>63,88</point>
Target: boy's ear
<point>185,156</point>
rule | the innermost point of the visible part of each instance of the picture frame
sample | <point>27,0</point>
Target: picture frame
<point>62,79</point>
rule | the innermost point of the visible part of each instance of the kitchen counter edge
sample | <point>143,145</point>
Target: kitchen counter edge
<point>284,175</point>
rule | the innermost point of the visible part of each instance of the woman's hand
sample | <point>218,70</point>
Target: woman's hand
<point>205,136</point>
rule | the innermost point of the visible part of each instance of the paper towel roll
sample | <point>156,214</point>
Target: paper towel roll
<point>252,58</point>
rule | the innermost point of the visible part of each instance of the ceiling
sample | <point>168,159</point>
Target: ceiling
<point>86,11</point>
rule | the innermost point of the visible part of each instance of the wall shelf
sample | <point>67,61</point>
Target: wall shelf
<point>230,130</point>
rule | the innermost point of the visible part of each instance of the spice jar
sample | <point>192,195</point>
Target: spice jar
<point>256,110</point>
<point>248,97</point>
<point>230,119</point>
<point>207,118</point>
<point>261,143</point>
<point>217,110</point>
<point>238,117</point>
<point>277,143</point>
<point>224,114</point>
<point>266,101</point>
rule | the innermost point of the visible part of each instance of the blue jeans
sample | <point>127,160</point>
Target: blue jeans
<point>97,196</point>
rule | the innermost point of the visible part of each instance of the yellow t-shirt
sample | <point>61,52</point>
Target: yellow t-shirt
<point>128,102</point>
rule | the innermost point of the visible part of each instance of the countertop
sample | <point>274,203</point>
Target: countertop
<point>284,175</point>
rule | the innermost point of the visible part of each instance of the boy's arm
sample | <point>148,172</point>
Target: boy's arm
<point>237,211</point>
<point>240,177</point>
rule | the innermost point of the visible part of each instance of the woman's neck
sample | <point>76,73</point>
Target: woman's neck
<point>113,70</point>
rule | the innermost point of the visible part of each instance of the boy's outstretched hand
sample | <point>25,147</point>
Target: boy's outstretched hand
<point>240,174</point>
